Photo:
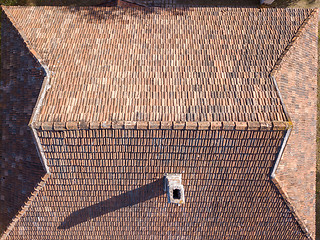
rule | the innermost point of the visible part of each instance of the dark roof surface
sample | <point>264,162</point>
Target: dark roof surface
<point>196,64</point>
<point>20,166</point>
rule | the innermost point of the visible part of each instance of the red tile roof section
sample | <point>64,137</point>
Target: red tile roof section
<point>109,184</point>
<point>21,79</point>
<point>297,80</point>
<point>197,64</point>
<point>212,124</point>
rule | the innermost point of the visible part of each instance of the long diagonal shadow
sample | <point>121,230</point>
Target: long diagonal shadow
<point>127,199</point>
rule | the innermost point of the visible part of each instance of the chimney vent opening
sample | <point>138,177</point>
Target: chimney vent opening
<point>176,194</point>
<point>174,188</point>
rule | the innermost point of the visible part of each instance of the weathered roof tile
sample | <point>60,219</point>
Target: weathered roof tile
<point>202,64</point>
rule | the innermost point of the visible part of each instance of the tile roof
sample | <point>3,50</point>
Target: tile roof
<point>109,185</point>
<point>297,81</point>
<point>187,69</point>
<point>20,166</point>
<point>195,64</point>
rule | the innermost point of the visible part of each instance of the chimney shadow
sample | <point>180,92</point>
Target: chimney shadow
<point>127,199</point>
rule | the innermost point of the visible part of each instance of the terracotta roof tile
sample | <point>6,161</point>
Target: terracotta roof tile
<point>297,80</point>
<point>109,184</point>
<point>161,90</point>
<point>196,64</point>
<point>20,166</point>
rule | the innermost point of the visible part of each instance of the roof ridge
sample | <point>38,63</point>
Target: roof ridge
<point>165,125</point>
<point>296,36</point>
<point>26,206</point>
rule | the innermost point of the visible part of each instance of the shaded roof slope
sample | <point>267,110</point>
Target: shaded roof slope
<point>20,166</point>
<point>108,184</point>
<point>197,64</point>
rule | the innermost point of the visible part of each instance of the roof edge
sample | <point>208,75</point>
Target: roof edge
<point>303,227</point>
<point>26,206</point>
<point>45,86</point>
<point>164,125</point>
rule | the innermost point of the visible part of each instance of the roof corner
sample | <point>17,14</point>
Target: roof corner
<point>26,206</point>
<point>299,32</point>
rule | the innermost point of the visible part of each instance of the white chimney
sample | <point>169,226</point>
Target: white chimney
<point>174,188</point>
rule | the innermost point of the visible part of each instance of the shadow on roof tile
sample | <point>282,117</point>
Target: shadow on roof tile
<point>127,199</point>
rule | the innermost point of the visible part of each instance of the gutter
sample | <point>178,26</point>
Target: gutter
<point>283,145</point>
<point>287,134</point>
<point>40,149</point>
<point>35,113</point>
